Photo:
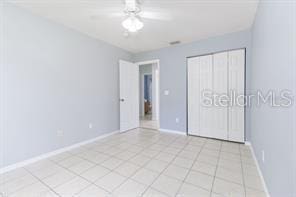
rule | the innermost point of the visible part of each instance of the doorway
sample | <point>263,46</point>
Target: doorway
<point>149,94</point>
<point>137,108</point>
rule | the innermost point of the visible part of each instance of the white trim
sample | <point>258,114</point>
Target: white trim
<point>155,91</point>
<point>247,143</point>
<point>55,152</point>
<point>172,131</point>
<point>148,62</point>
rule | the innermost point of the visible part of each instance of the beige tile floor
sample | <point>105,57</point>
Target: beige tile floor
<point>141,162</point>
<point>147,122</point>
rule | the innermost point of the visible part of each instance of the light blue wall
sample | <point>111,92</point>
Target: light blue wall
<point>274,68</point>
<point>173,73</point>
<point>53,78</point>
<point>147,88</point>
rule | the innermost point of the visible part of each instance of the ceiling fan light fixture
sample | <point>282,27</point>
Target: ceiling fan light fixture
<point>133,23</point>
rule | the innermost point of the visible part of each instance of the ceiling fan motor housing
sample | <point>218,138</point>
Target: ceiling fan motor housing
<point>132,7</point>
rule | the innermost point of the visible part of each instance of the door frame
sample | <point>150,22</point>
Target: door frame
<point>245,78</point>
<point>157,101</point>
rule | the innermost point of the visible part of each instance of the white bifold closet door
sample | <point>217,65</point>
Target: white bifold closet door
<point>205,83</point>
<point>236,83</point>
<point>193,101</point>
<point>220,87</point>
<point>219,73</point>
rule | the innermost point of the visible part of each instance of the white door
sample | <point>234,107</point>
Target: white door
<point>205,87</point>
<point>129,95</point>
<point>219,74</point>
<point>236,81</point>
<point>220,87</point>
<point>193,96</point>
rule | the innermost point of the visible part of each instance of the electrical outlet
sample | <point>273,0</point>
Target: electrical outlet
<point>166,92</point>
<point>177,120</point>
<point>263,156</point>
<point>90,125</point>
<point>60,133</point>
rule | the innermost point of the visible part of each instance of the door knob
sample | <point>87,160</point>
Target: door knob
<point>122,100</point>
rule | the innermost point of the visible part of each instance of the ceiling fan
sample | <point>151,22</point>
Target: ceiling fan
<point>133,15</point>
<point>133,22</point>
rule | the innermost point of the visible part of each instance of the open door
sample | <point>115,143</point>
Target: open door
<point>129,95</point>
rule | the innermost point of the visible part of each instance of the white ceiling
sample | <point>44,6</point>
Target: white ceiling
<point>191,20</point>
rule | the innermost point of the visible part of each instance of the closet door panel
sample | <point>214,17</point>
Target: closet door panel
<point>236,82</point>
<point>220,87</point>
<point>206,78</point>
<point>193,95</point>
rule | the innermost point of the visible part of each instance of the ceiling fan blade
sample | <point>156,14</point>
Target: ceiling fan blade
<point>115,14</point>
<point>155,16</point>
<point>107,13</point>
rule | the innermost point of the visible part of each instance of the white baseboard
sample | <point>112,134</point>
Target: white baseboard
<point>172,131</point>
<point>55,152</point>
<point>258,167</point>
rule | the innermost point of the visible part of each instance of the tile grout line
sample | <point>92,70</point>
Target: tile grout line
<point>217,165</point>
<point>230,181</point>
<point>57,163</point>
<point>51,189</point>
<point>95,164</point>
<point>243,175</point>
<point>160,173</point>
<point>147,146</point>
<point>191,167</point>
<point>29,173</point>
<point>113,170</point>
<point>127,178</point>
<point>78,175</point>
<point>92,182</point>
<point>142,167</point>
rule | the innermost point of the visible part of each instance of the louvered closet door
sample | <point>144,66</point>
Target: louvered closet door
<point>205,84</point>
<point>220,87</point>
<point>236,82</point>
<point>193,96</point>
